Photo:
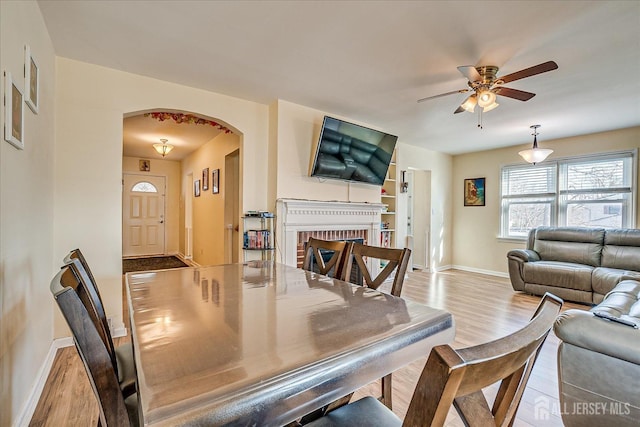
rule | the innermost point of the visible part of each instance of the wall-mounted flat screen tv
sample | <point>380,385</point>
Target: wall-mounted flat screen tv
<point>350,152</point>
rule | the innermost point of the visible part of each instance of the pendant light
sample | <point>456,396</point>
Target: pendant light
<point>164,148</point>
<point>534,154</point>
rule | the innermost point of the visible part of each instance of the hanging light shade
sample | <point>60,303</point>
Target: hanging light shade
<point>164,148</point>
<point>534,154</point>
<point>489,107</point>
<point>470,103</point>
<point>486,98</point>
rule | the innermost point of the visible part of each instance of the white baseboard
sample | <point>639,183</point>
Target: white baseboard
<point>481,271</point>
<point>24,418</point>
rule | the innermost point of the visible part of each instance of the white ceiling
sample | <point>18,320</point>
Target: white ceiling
<point>371,60</point>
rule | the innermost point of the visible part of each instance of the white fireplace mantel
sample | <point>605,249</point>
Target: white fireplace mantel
<point>293,216</point>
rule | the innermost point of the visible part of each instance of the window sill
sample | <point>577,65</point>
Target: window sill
<point>502,239</point>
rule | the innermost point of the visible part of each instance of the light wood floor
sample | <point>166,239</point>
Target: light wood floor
<point>484,308</point>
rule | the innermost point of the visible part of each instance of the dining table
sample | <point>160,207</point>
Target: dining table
<point>262,343</point>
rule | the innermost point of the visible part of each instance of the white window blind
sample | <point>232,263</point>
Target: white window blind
<point>590,191</point>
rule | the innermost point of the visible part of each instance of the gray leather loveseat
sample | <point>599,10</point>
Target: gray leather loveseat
<point>599,361</point>
<point>576,264</point>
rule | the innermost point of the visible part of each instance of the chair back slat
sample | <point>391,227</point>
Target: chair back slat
<point>92,351</point>
<point>457,378</point>
<point>396,260</point>
<point>90,297</point>
<point>317,249</point>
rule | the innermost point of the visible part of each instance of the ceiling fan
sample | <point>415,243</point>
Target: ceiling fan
<point>485,84</point>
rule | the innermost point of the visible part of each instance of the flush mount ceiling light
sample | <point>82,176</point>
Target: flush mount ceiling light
<point>164,148</point>
<point>534,154</point>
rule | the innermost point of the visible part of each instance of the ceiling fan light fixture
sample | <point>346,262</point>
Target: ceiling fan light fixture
<point>469,104</point>
<point>534,154</point>
<point>164,148</point>
<point>490,107</point>
<point>486,98</point>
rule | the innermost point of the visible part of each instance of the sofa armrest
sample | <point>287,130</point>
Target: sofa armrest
<point>524,255</point>
<point>583,329</point>
<point>516,259</point>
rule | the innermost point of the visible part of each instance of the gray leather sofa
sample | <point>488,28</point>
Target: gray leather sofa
<point>599,362</point>
<point>576,264</point>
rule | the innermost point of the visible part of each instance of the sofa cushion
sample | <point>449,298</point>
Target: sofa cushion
<point>604,279</point>
<point>560,274</point>
<point>571,245</point>
<point>623,301</point>
<point>622,249</point>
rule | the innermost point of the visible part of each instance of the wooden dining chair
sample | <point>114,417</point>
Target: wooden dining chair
<point>316,250</point>
<point>114,409</point>
<point>121,356</point>
<point>396,261</point>
<point>457,377</point>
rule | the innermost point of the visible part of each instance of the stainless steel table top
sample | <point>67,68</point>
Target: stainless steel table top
<point>263,343</point>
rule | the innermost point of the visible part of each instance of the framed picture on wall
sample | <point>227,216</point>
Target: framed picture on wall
<point>215,181</point>
<point>144,165</point>
<point>196,188</point>
<point>31,80</point>
<point>474,192</point>
<point>205,179</point>
<point>13,113</point>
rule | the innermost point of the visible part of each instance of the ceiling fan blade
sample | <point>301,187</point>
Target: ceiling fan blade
<point>443,94</point>
<point>459,110</point>
<point>470,72</point>
<point>528,72</point>
<point>513,93</point>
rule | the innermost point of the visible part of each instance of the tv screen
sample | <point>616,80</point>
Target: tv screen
<point>351,152</point>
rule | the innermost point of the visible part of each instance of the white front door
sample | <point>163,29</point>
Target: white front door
<point>143,215</point>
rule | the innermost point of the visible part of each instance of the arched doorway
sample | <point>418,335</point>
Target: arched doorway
<point>194,222</point>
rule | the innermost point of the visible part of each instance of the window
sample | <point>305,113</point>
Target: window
<point>592,191</point>
<point>144,187</point>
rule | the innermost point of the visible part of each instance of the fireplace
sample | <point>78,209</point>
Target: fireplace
<point>297,220</point>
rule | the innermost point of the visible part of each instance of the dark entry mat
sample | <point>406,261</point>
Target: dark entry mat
<point>153,263</point>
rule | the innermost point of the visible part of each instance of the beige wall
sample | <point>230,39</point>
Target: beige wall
<point>297,135</point>
<point>90,105</point>
<point>171,171</point>
<point>475,238</point>
<point>208,209</point>
<point>27,263</point>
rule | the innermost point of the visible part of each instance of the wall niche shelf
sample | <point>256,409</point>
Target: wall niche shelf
<point>388,198</point>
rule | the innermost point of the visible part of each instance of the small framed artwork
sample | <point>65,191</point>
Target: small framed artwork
<point>196,188</point>
<point>145,165</point>
<point>205,179</point>
<point>215,181</point>
<point>474,192</point>
<point>215,292</point>
<point>13,113</point>
<point>31,80</point>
